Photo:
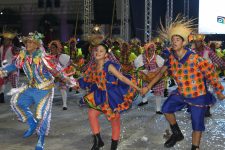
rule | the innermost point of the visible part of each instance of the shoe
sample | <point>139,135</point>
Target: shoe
<point>143,103</point>
<point>207,112</point>
<point>166,93</point>
<point>2,99</point>
<point>159,112</point>
<point>32,127</point>
<point>64,108</point>
<point>221,74</point>
<point>98,143</point>
<point>82,102</point>
<point>77,92</point>
<point>114,144</point>
<point>175,137</point>
<point>194,147</point>
<point>40,144</point>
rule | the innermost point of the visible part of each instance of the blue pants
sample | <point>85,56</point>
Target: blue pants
<point>42,100</point>
<point>176,102</point>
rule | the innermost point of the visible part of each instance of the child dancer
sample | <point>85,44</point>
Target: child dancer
<point>110,93</point>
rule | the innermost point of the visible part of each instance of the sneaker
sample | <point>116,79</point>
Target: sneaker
<point>143,103</point>
<point>207,113</point>
<point>82,102</point>
<point>166,93</point>
<point>64,108</point>
<point>159,112</point>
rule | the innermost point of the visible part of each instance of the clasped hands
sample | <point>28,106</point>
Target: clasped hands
<point>143,90</point>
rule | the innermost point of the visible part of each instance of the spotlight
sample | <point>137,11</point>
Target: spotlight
<point>96,28</point>
<point>1,13</point>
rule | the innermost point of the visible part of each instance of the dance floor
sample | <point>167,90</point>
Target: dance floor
<point>141,128</point>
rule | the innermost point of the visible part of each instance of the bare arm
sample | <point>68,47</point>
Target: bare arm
<point>154,80</point>
<point>121,77</point>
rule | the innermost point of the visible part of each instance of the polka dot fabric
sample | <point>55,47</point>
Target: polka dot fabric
<point>190,75</point>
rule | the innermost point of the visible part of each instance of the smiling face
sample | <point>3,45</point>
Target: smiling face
<point>177,42</point>
<point>100,53</point>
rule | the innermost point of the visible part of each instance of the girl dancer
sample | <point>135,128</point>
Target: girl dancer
<point>107,94</point>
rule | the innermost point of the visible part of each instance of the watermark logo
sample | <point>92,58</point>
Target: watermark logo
<point>221,19</point>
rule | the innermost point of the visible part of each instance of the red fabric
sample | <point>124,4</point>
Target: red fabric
<point>5,50</point>
<point>12,78</point>
<point>1,81</point>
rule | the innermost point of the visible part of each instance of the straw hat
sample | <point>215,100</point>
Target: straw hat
<point>181,27</point>
<point>34,37</point>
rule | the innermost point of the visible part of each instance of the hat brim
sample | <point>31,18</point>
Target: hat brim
<point>26,39</point>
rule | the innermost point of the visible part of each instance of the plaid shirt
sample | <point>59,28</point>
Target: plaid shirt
<point>159,87</point>
<point>217,61</point>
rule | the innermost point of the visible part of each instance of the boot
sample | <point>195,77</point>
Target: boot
<point>194,147</point>
<point>114,144</point>
<point>98,143</point>
<point>2,99</point>
<point>82,102</point>
<point>33,124</point>
<point>166,93</point>
<point>175,137</point>
<point>40,144</point>
<point>207,112</point>
<point>172,83</point>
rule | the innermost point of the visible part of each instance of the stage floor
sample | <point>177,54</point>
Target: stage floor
<point>141,128</point>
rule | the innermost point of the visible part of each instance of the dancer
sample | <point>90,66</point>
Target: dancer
<point>39,69</point>
<point>205,52</point>
<point>7,56</point>
<point>63,60</point>
<point>191,73</point>
<point>152,64</point>
<point>127,66</point>
<point>107,94</point>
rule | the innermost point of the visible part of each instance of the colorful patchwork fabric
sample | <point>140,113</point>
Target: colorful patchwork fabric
<point>107,93</point>
<point>190,72</point>
<point>39,69</point>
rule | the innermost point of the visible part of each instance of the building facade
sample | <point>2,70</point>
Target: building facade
<point>55,18</point>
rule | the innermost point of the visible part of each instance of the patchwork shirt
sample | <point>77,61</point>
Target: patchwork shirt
<point>191,74</point>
